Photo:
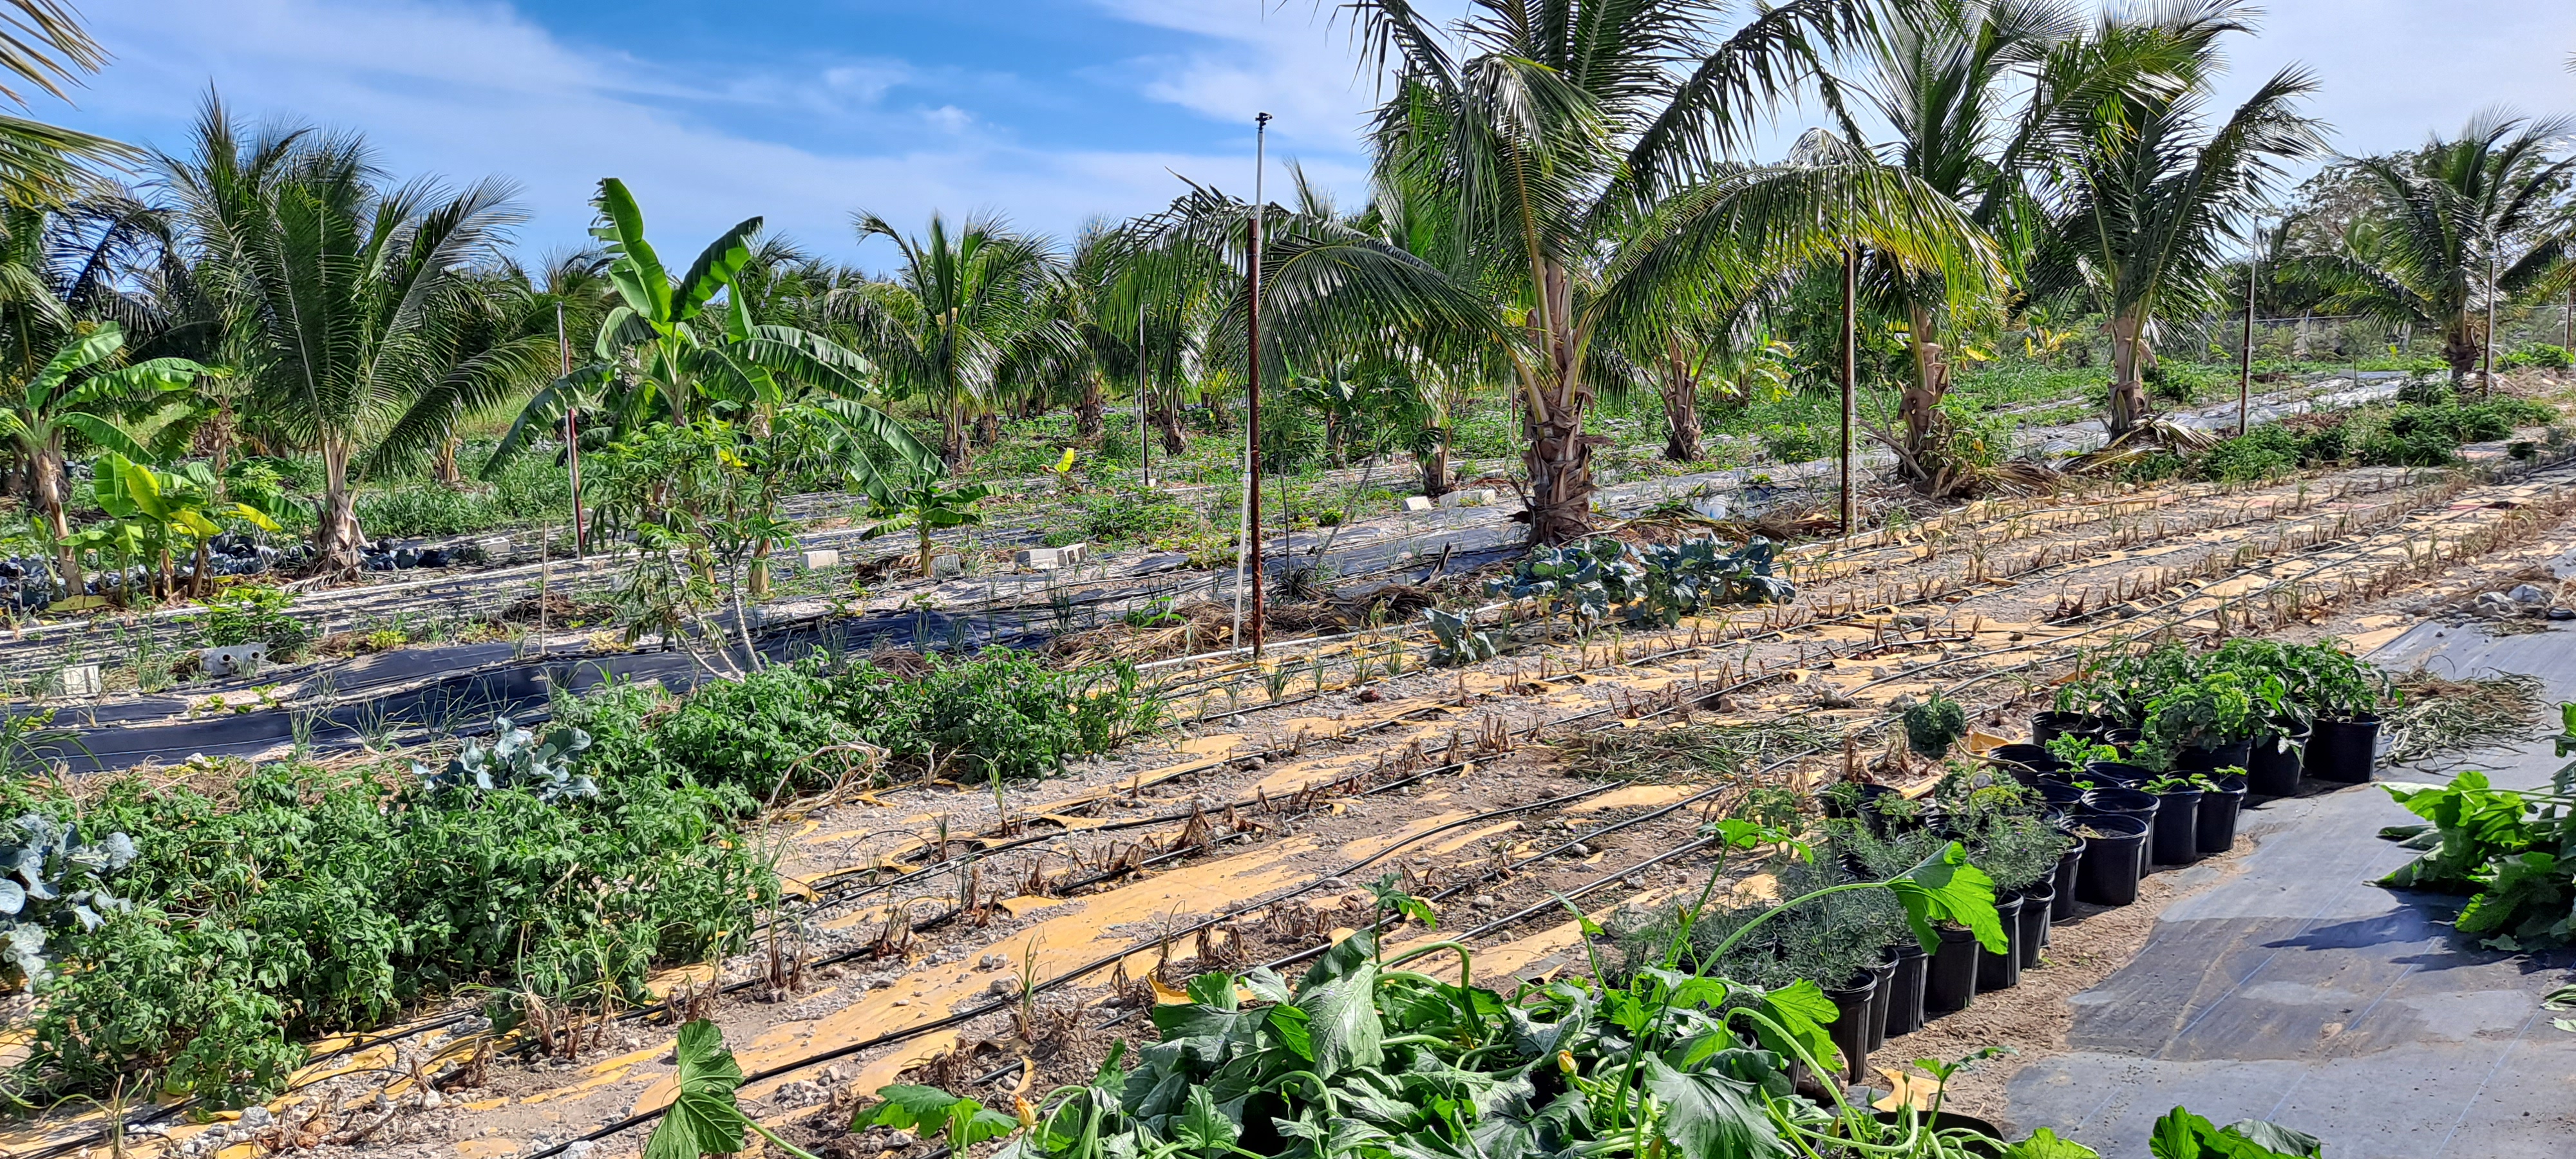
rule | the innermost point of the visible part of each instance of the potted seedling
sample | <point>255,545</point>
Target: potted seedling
<point>2177,794</point>
<point>2345,695</point>
<point>2205,723</point>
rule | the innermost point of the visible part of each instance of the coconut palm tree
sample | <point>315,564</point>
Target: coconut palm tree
<point>77,392</point>
<point>352,300</point>
<point>2482,202</point>
<point>944,328</point>
<point>43,45</point>
<point>1577,147</point>
<point>2151,207</point>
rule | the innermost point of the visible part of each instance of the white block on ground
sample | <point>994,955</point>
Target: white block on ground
<point>1072,553</point>
<point>947,566</point>
<point>1418,503</point>
<point>1042,558</point>
<point>1465,498</point>
<point>821,558</point>
<point>81,680</point>
<point>236,660</point>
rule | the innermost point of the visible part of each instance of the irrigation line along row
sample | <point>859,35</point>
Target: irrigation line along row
<point>993,1007</point>
<point>999,1005</point>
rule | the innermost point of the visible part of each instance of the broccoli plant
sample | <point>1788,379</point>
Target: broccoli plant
<point>1460,642</point>
<point>516,759</point>
<point>55,878</point>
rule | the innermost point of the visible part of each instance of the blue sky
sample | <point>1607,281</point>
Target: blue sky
<point>1049,111</point>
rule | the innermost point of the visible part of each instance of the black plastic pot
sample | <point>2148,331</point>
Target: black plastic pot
<point>2002,971</point>
<point>2027,763</point>
<point>2121,773</point>
<point>2037,902</point>
<point>1905,1000</point>
<point>1834,806</point>
<point>2063,909</point>
<point>2048,726</point>
<point>2113,857</point>
<point>2219,809</point>
<point>1950,982</point>
<point>1882,993</point>
<point>1850,1030</point>
<point>2344,750</point>
<point>2122,738</point>
<point>2060,795</point>
<point>2272,767</point>
<point>2211,758</point>
<point>2119,800</point>
<point>2177,839</point>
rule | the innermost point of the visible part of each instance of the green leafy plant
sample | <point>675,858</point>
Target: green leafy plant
<point>516,759</point>
<point>921,506</point>
<point>2076,750</point>
<point>2183,1135</point>
<point>1657,584</point>
<point>1934,724</point>
<point>2515,857</point>
<point>253,613</point>
<point>704,1119</point>
<point>56,880</point>
<point>1460,641</point>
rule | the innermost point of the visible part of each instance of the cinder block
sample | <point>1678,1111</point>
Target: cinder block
<point>822,558</point>
<point>947,567</point>
<point>1039,558</point>
<point>1465,498</point>
<point>82,680</point>
<point>1418,503</point>
<point>237,660</point>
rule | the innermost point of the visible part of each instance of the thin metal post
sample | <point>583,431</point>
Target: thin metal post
<point>1851,376</point>
<point>1144,438</point>
<point>2245,360</point>
<point>2486,370</point>
<point>572,428</point>
<point>1252,427</point>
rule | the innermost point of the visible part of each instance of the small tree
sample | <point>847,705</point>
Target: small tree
<point>920,506</point>
<point>71,395</point>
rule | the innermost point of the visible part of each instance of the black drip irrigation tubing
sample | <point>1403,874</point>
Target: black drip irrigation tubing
<point>999,1005</point>
<point>58,1150</point>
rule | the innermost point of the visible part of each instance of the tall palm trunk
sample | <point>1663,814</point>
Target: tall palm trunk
<point>1919,406</point>
<point>443,466</point>
<point>46,470</point>
<point>952,438</point>
<point>337,540</point>
<point>1681,405</point>
<point>1435,465</point>
<point>988,429</point>
<point>2129,355</point>
<point>2460,349</point>
<point>1559,454</point>
<point>1086,413</point>
<point>1167,419</point>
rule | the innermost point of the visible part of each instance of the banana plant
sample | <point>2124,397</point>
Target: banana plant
<point>919,505</point>
<point>73,395</point>
<point>153,514</point>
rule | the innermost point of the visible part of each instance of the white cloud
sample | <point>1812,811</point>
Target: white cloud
<point>478,89</point>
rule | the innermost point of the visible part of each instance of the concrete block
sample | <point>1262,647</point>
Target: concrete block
<point>1468,498</point>
<point>821,559</point>
<point>947,567</point>
<point>1418,503</point>
<point>237,660</point>
<point>1042,558</point>
<point>82,680</point>
<point>495,549</point>
<point>1072,553</point>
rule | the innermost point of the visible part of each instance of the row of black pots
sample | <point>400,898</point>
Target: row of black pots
<point>1908,986</point>
<point>2342,751</point>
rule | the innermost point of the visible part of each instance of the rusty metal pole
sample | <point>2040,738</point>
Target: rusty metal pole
<point>1851,377</point>
<point>2245,359</point>
<point>572,428</point>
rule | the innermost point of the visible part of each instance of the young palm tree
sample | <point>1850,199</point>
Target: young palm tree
<point>944,328</point>
<point>351,299</point>
<point>2483,201</point>
<point>1580,163</point>
<point>2153,198</point>
<point>43,44</point>
<point>77,391</point>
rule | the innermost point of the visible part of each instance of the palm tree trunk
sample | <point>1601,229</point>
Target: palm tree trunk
<point>1919,407</point>
<point>2128,352</point>
<point>443,468</point>
<point>988,429</point>
<point>1086,413</point>
<point>1681,405</point>
<point>952,438</point>
<point>1435,465</point>
<point>337,539</point>
<point>2460,351</point>
<point>1167,419</point>
<point>1559,454</point>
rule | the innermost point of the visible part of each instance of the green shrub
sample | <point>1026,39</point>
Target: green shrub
<point>253,614</point>
<point>2258,454</point>
<point>747,735</point>
<point>1792,444</point>
<point>319,902</point>
<point>1123,518</point>
<point>2540,354</point>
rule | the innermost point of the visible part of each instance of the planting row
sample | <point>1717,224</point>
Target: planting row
<point>190,939</point>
